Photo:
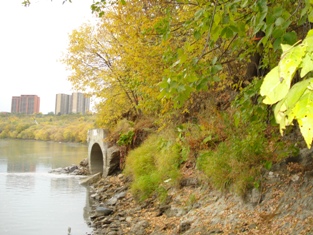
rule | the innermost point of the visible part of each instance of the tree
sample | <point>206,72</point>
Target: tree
<point>94,64</point>
<point>120,60</point>
<point>144,56</point>
<point>210,41</point>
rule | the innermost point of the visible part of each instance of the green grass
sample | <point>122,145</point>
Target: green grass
<point>236,163</point>
<point>157,160</point>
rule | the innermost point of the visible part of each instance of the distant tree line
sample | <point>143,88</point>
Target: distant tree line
<point>64,128</point>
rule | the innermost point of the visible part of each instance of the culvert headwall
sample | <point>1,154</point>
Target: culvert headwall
<point>101,158</point>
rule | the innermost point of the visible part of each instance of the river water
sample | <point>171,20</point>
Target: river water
<point>34,202</point>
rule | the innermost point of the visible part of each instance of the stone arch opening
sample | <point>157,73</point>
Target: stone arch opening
<point>96,159</point>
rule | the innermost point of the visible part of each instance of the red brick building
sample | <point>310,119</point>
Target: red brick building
<point>27,104</point>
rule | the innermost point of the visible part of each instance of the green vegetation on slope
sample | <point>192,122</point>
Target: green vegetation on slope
<point>195,68</point>
<point>231,147</point>
<point>64,128</point>
<point>154,166</point>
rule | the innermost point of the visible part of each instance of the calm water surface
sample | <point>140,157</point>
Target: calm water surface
<point>32,201</point>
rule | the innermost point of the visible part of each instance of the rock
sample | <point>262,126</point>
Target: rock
<point>139,228</point>
<point>103,211</point>
<point>189,182</point>
<point>184,226</point>
<point>72,168</point>
<point>76,172</point>
<point>120,195</point>
<point>91,179</point>
<point>57,170</point>
<point>215,231</point>
<point>112,233</point>
<point>106,221</point>
<point>84,162</point>
<point>255,196</point>
<point>295,178</point>
<point>112,201</point>
<point>175,212</point>
<point>129,219</point>
<point>163,209</point>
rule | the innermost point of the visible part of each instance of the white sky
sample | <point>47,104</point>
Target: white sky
<point>32,40</point>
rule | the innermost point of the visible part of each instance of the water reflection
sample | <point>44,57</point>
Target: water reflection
<point>21,166</point>
<point>65,185</point>
<point>87,208</point>
<point>34,201</point>
<point>25,155</point>
<point>20,182</point>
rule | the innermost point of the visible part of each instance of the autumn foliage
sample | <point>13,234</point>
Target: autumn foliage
<point>195,68</point>
<point>64,128</point>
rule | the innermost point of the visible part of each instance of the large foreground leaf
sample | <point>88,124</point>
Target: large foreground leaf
<point>273,88</point>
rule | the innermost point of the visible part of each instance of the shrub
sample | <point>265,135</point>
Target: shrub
<point>249,145</point>
<point>235,163</point>
<point>155,161</point>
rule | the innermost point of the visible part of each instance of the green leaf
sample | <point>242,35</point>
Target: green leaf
<point>310,33</point>
<point>227,32</point>
<point>306,125</point>
<point>304,106</point>
<point>310,16</point>
<point>268,165</point>
<point>306,65</point>
<point>284,109</point>
<point>199,14</point>
<point>290,38</point>
<point>280,115</point>
<point>207,139</point>
<point>308,41</point>
<point>278,32</point>
<point>285,47</point>
<point>197,34</point>
<point>295,103</point>
<point>273,88</point>
<point>276,44</point>
<point>274,14</point>
<point>290,61</point>
<point>279,21</point>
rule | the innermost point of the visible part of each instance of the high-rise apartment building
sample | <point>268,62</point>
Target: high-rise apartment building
<point>80,103</point>
<point>27,104</point>
<point>15,104</point>
<point>62,104</point>
<point>75,103</point>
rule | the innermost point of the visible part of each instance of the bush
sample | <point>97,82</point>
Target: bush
<point>155,161</point>
<point>236,163</point>
<point>249,144</point>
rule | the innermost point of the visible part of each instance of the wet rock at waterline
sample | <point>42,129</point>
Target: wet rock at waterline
<point>81,169</point>
<point>103,211</point>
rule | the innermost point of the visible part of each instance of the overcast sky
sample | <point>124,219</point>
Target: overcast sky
<point>32,40</point>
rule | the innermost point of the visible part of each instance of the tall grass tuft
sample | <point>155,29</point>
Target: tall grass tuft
<point>236,163</point>
<point>154,166</point>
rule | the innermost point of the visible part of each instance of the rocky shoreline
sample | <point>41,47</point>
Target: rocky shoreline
<point>283,205</point>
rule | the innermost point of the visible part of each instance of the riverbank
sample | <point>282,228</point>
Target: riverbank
<point>281,205</point>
